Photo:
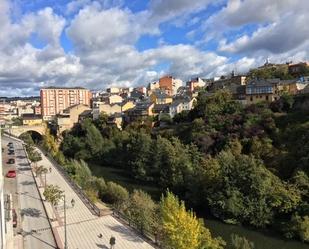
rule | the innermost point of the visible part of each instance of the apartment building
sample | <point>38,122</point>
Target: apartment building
<point>54,100</point>
<point>169,84</point>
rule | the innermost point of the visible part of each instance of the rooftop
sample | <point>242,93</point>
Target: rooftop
<point>56,87</point>
<point>31,116</point>
<point>160,94</point>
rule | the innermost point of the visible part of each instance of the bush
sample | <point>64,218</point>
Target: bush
<point>91,194</point>
<point>300,227</point>
<point>239,242</point>
<point>115,194</point>
<point>141,209</point>
<point>100,186</point>
<point>60,158</point>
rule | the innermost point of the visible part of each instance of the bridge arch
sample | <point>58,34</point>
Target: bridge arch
<point>18,130</point>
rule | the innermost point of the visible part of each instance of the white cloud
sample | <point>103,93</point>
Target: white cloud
<point>46,24</point>
<point>287,33</point>
<point>94,28</point>
<point>239,12</point>
<point>163,10</point>
<point>25,67</point>
<point>104,37</point>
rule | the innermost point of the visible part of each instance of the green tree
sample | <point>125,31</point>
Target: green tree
<point>142,211</point>
<point>243,190</point>
<point>53,194</point>
<point>93,140</point>
<point>33,155</point>
<point>174,162</point>
<point>83,175</point>
<point>100,185</point>
<point>303,229</point>
<point>49,142</point>
<point>298,227</point>
<point>60,158</point>
<point>138,148</point>
<point>26,137</point>
<point>116,195</point>
<point>71,145</point>
<point>17,121</point>
<point>40,170</point>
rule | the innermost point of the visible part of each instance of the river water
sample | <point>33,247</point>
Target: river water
<point>261,240</point>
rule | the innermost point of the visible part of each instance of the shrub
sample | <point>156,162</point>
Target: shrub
<point>115,194</point>
<point>239,242</point>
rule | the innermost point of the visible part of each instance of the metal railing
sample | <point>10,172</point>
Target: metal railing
<point>78,190</point>
<point>147,235</point>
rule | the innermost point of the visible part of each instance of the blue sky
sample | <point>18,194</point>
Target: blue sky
<point>116,42</point>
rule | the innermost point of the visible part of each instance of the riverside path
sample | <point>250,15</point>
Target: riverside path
<point>84,228</point>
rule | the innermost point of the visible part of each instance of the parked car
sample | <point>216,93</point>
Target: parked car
<point>10,144</point>
<point>14,216</point>
<point>11,161</point>
<point>11,174</point>
<point>11,152</point>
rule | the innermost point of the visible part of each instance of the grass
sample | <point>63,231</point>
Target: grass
<point>120,176</point>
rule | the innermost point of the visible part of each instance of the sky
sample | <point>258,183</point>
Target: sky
<point>102,43</point>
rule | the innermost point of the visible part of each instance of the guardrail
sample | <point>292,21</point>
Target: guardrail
<point>92,207</point>
<point>147,235</point>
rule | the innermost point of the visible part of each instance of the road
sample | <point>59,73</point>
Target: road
<point>35,226</point>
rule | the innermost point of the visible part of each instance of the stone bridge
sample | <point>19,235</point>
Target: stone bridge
<point>18,130</point>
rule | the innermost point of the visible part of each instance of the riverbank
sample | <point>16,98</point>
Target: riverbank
<point>120,176</point>
<point>261,240</point>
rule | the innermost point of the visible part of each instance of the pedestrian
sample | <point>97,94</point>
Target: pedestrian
<point>72,202</point>
<point>112,242</point>
<point>100,235</point>
<point>50,169</point>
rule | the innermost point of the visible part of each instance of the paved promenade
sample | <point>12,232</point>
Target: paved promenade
<point>83,227</point>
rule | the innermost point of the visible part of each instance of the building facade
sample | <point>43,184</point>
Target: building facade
<point>169,84</point>
<point>70,116</point>
<point>261,90</point>
<point>55,100</point>
<point>31,119</point>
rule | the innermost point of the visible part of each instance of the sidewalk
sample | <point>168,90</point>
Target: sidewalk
<point>83,227</point>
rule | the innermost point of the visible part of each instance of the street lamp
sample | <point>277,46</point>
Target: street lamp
<point>65,224</point>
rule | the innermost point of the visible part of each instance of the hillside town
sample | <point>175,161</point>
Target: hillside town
<point>154,124</point>
<point>161,100</point>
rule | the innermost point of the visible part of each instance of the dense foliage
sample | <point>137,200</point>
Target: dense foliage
<point>244,164</point>
<point>33,155</point>
<point>281,71</point>
<point>181,228</point>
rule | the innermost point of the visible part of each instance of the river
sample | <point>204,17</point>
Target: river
<point>261,239</point>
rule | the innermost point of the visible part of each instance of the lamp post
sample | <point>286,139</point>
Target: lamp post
<point>65,224</point>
